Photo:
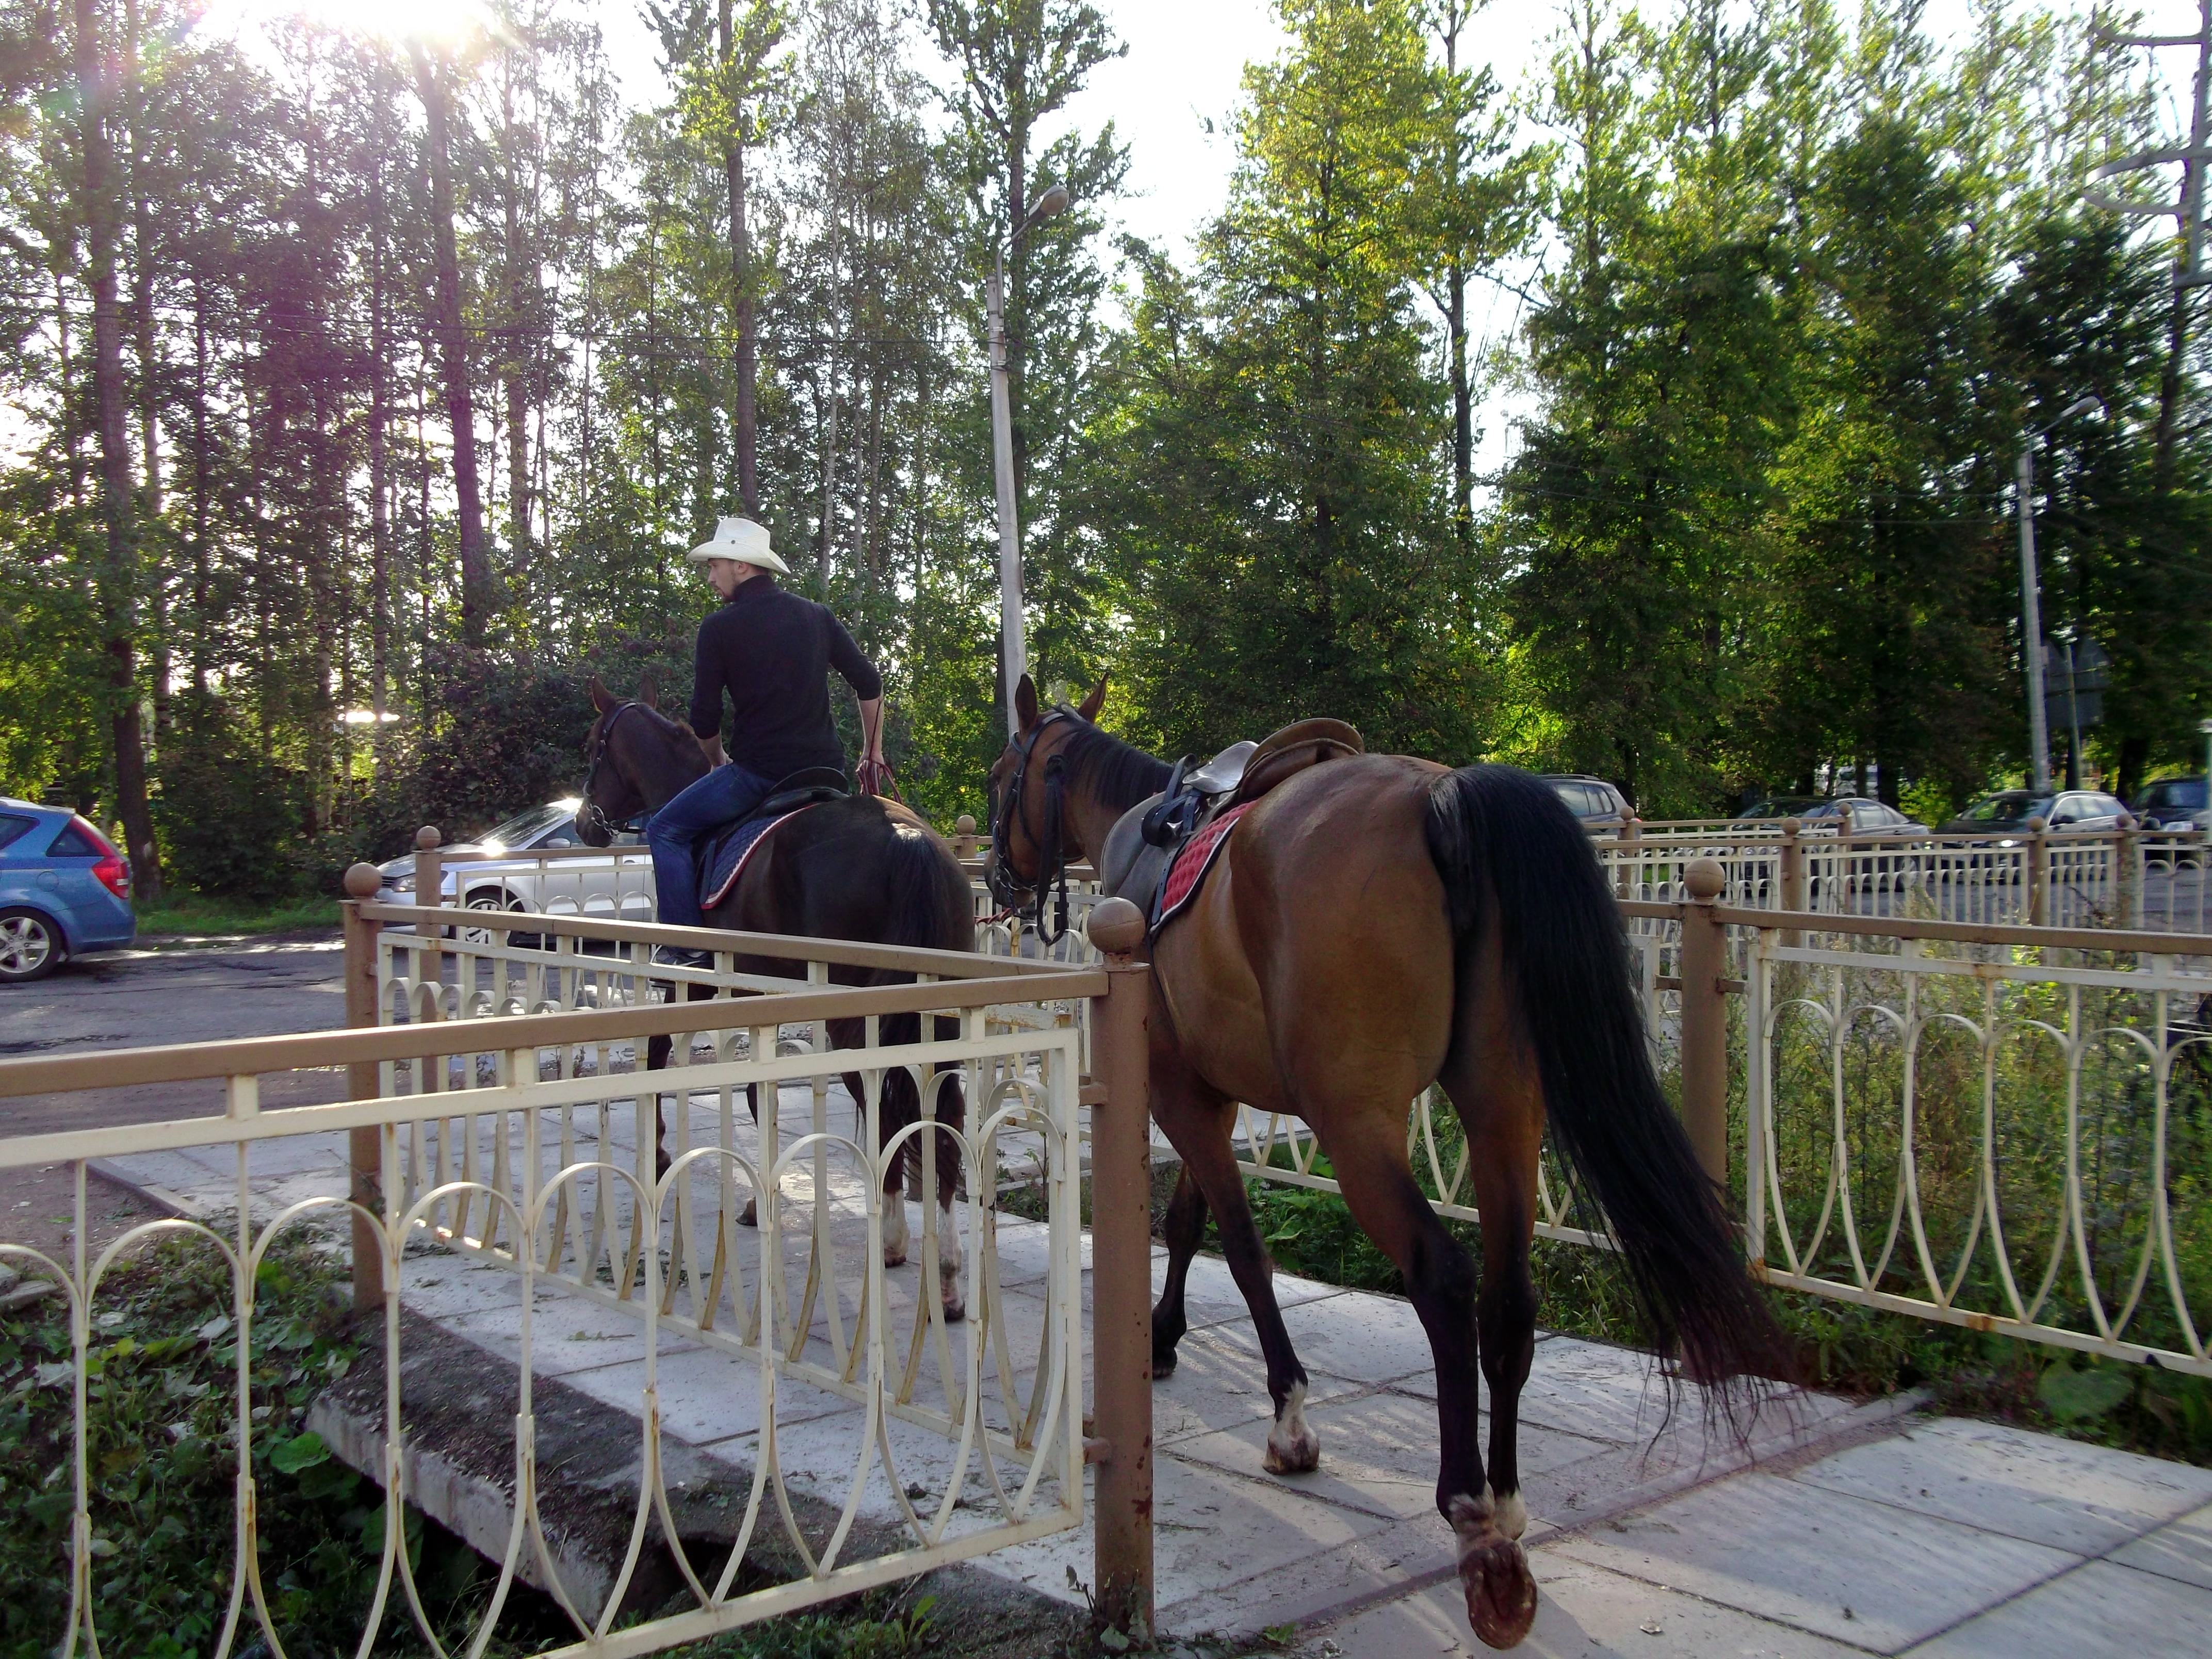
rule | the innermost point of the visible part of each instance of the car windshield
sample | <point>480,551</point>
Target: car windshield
<point>523,827</point>
<point>2009,806</point>
<point>2185,793</point>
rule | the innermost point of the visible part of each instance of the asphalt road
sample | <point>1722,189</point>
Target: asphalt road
<point>188,991</point>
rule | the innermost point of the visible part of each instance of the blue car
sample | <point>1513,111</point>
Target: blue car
<point>64,890</point>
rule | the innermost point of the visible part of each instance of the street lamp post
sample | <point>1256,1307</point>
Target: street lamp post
<point>2205,727</point>
<point>2031,605</point>
<point>1012,640</point>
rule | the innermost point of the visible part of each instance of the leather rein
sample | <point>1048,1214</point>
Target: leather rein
<point>591,812</point>
<point>1028,897</point>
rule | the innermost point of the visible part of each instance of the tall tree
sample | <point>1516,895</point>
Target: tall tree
<point>118,586</point>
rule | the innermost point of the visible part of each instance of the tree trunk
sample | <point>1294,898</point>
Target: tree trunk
<point>742,371</point>
<point>380,470</point>
<point>479,594</point>
<point>119,579</point>
<point>517,347</point>
<point>149,379</point>
<point>202,570</point>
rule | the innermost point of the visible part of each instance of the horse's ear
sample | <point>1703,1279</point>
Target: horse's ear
<point>602,699</point>
<point>1025,703</point>
<point>1091,705</point>
<point>648,688</point>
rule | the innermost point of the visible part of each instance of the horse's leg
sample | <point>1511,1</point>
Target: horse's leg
<point>1197,1120</point>
<point>1369,1153</point>
<point>750,1216</point>
<point>656,1050</point>
<point>951,1111</point>
<point>1186,1228</point>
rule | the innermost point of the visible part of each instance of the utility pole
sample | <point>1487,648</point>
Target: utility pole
<point>2030,619</point>
<point>2031,601</point>
<point>1013,643</point>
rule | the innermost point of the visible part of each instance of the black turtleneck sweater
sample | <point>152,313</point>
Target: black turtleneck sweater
<point>772,651</point>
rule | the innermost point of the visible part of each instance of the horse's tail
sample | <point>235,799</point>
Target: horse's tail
<point>1502,839</point>
<point>928,901</point>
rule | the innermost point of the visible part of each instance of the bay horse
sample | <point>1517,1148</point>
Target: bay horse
<point>857,868</point>
<point>1375,924</point>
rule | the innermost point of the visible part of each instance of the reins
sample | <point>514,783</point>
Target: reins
<point>1010,890</point>
<point>592,811</point>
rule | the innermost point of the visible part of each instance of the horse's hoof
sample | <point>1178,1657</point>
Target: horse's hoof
<point>750,1216</point>
<point>1292,1446</point>
<point>1494,1570</point>
<point>955,1312</point>
<point>1163,1365</point>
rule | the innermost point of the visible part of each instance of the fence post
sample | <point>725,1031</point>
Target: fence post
<point>1793,875</point>
<point>364,1146</point>
<point>2127,871</point>
<point>1704,1018</point>
<point>1632,832</point>
<point>2038,874</point>
<point>963,837</point>
<point>1121,1275</point>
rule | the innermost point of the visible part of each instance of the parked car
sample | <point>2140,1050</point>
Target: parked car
<point>2081,811</point>
<point>1859,815</point>
<point>584,886</point>
<point>1782,807</point>
<point>64,890</point>
<point>1600,807</point>
<point>2175,803</point>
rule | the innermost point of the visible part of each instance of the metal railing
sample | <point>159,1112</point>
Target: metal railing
<point>2131,878</point>
<point>509,1119</point>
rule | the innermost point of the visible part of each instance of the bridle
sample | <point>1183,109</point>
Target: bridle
<point>1008,888</point>
<point>591,813</point>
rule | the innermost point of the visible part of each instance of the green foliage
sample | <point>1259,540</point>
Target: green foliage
<point>228,817</point>
<point>161,1453</point>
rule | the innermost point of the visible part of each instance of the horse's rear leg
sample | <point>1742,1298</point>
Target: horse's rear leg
<point>1197,1120</point>
<point>1186,1229</point>
<point>951,1110</point>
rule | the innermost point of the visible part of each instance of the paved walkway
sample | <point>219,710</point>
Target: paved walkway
<point>1847,1528</point>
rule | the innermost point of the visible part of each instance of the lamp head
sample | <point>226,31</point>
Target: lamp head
<point>1055,200</point>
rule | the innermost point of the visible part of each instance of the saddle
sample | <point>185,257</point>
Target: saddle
<point>1158,852</point>
<point>723,853</point>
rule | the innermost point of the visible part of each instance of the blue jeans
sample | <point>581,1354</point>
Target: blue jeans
<point>723,796</point>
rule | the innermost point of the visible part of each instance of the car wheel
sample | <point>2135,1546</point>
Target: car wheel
<point>30,945</point>
<point>491,899</point>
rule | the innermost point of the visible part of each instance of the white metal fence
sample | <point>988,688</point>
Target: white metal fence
<point>527,1144</point>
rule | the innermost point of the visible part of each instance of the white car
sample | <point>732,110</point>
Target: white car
<point>535,861</point>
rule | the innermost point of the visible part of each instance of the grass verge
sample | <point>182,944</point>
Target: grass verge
<point>181,911</point>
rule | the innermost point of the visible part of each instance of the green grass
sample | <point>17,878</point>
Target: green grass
<point>183,912</point>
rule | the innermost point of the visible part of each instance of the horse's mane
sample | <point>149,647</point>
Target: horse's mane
<point>1121,772</point>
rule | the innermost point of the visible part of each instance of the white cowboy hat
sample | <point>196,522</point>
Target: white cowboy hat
<point>740,539</point>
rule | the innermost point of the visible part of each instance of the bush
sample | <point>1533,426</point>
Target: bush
<point>226,818</point>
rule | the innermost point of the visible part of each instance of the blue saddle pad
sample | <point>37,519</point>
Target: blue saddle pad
<point>725,851</point>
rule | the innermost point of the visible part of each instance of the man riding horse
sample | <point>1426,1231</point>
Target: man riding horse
<point>770,650</point>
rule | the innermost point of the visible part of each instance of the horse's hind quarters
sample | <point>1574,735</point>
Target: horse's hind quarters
<point>1292,1446</point>
<point>1493,1569</point>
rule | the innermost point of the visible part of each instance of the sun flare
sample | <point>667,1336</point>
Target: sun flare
<point>434,23</point>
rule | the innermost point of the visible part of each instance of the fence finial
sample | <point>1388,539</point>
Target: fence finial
<point>362,881</point>
<point>428,837</point>
<point>1118,926</point>
<point>1705,879</point>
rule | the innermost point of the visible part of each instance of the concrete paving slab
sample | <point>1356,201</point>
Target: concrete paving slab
<point>1220,1385</point>
<point>1378,1453</point>
<point>1582,1612</point>
<point>2097,1608</point>
<point>1211,1529</point>
<point>1353,1334</point>
<point>1211,1296</point>
<point>1844,1567</point>
<point>2181,1549</point>
<point>2081,1498</point>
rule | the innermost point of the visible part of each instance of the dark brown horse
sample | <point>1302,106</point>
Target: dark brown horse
<point>1374,925</point>
<point>854,868</point>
